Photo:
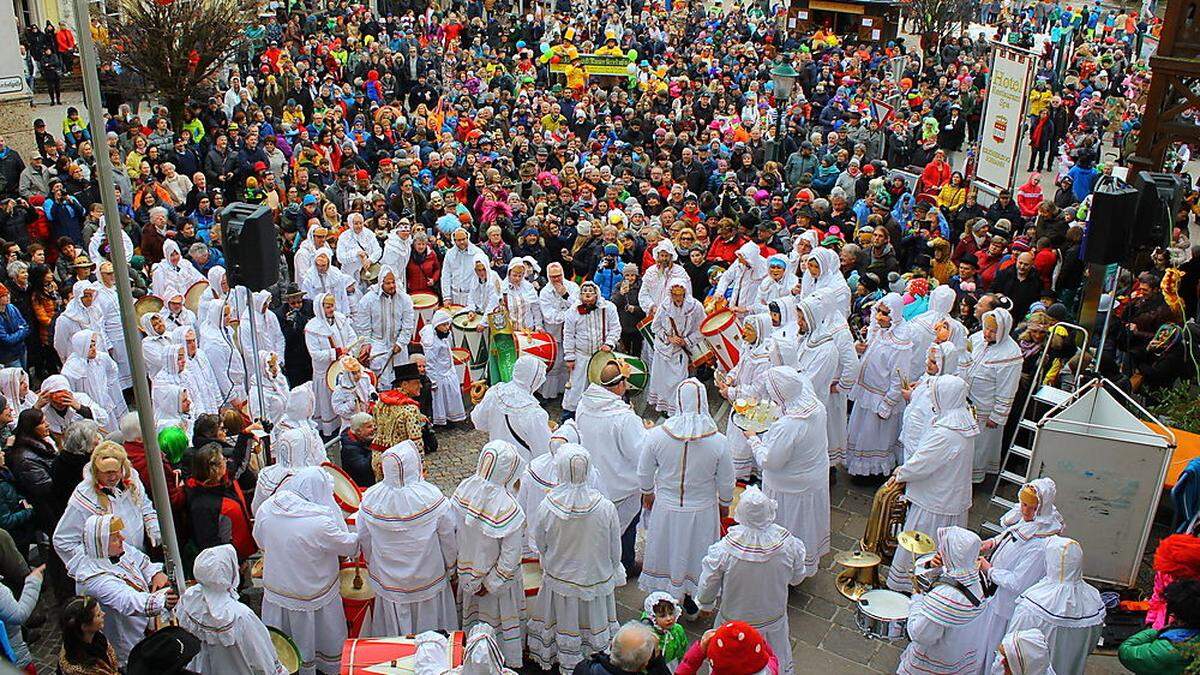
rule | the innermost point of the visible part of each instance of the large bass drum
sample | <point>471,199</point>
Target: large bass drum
<point>722,331</point>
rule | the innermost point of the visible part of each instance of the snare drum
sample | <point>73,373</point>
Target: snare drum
<point>424,304</point>
<point>883,614</point>
<point>722,331</point>
<point>364,656</point>
<point>286,650</point>
<point>537,343</point>
<point>531,576</point>
<point>346,492</point>
<point>357,596</point>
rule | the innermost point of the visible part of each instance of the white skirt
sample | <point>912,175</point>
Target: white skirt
<point>987,451</point>
<point>556,376</point>
<point>667,371</point>
<point>676,543</point>
<point>564,629</point>
<point>502,611</point>
<point>872,442</point>
<point>835,427</point>
<point>328,422</point>
<point>899,576</point>
<point>806,516</point>
<point>447,399</point>
<point>319,634</point>
<point>744,465</point>
<point>390,618</point>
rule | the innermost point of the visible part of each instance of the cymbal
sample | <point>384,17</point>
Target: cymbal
<point>857,559</point>
<point>917,543</point>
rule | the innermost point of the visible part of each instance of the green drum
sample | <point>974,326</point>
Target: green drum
<point>636,373</point>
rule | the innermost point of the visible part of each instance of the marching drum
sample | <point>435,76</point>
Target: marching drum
<point>643,327</point>
<point>537,343</point>
<point>195,293</point>
<point>471,335</point>
<point>636,373</point>
<point>462,366</point>
<point>722,331</point>
<point>286,650</point>
<point>364,656</point>
<point>882,614</point>
<point>346,492</point>
<point>531,576</point>
<point>357,596</point>
<point>424,304</point>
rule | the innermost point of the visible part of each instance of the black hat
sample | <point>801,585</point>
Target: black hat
<point>163,653</point>
<point>292,290</point>
<point>407,372</point>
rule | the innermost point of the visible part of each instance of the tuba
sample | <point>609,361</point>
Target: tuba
<point>878,544</point>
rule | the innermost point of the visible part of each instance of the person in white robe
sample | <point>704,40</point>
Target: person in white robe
<point>302,261</point>
<point>676,327</point>
<point>109,486</point>
<point>175,313</point>
<point>198,371</point>
<point>745,381</point>
<point>777,284</point>
<point>749,570</point>
<point>991,364</point>
<point>328,335</point>
<point>1024,652</point>
<point>99,240</point>
<point>803,246</point>
<point>267,335</point>
<point>794,457</point>
<point>458,268</point>
<point>739,284</point>
<point>686,479</point>
<point>172,408</point>
<point>491,534</point>
<point>510,412</point>
<point>14,386</point>
<point>301,532</point>
<point>222,345</point>
<point>437,342</point>
<point>592,325</point>
<point>64,406</point>
<point>483,289</point>
<point>941,359</point>
<point>481,656</point>
<point>274,388</point>
<point>614,434</point>
<point>357,247</point>
<point>541,476</point>
<point>129,587</point>
<point>783,319</point>
<point>818,358</point>
<point>232,638</point>
<point>520,297</point>
<point>295,444</point>
<point>1017,559</point>
<point>173,271</point>
<point>156,343</point>
<point>937,476</point>
<point>554,300</point>
<point>324,278</point>
<point>656,286</point>
<point>385,317</point>
<point>945,625</point>
<point>93,372</point>
<point>106,297</point>
<point>577,531</point>
<point>406,529</point>
<point>823,276</point>
<point>846,373</point>
<point>923,330</point>
<point>81,313</point>
<point>1067,610</point>
<point>874,433</point>
<point>353,391</point>
<point>218,287</point>
<point>397,251</point>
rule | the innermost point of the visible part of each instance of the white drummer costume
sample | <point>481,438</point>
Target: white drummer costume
<point>874,432</point>
<point>937,476</point>
<point>614,435</point>
<point>739,284</point>
<point>301,533</point>
<point>656,284</point>
<point>685,466</point>
<point>992,368</point>
<point>749,570</point>
<point>295,444</point>
<point>92,371</point>
<point>324,278</point>
<point>326,335</point>
<point>520,297</point>
<point>388,322</point>
<point>578,534</point>
<point>922,330</point>
<point>510,412</point>
<point>406,529</point>
<point>674,319</point>
<point>554,307</point>
<point>439,368</point>
<point>918,413</point>
<point>458,269</point>
<point>587,329</point>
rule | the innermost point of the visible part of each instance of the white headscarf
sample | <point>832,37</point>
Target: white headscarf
<point>754,260</point>
<point>948,393</point>
<point>830,279</point>
<point>10,387</point>
<point>895,304</point>
<point>482,655</point>
<point>216,275</point>
<point>792,391</point>
<point>298,415</point>
<point>946,355</point>
<point>403,500</point>
<point>693,420</point>
<point>308,492</point>
<point>1025,653</point>
<point>1062,598</point>
<point>528,374</point>
<point>485,500</point>
<point>1047,521</point>
<point>815,311</point>
<point>567,432</point>
<point>573,497</point>
<point>87,316</point>
<point>756,537</point>
<point>1004,348</point>
<point>665,246</point>
<point>209,609</point>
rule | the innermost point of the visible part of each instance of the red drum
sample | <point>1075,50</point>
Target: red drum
<point>357,596</point>
<point>538,343</point>
<point>368,656</point>
<point>424,304</point>
<point>346,492</point>
<point>722,330</point>
<point>531,576</point>
<point>643,327</point>
<point>701,353</point>
<point>462,360</point>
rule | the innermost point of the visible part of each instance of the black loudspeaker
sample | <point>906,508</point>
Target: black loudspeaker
<point>250,245</point>
<point>1159,199</point>
<point>1110,224</point>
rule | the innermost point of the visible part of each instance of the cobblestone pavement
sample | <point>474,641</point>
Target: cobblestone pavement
<point>824,636</point>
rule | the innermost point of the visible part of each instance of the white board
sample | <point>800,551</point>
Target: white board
<point>1000,133</point>
<point>1109,469</point>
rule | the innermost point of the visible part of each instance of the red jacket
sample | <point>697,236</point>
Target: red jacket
<point>725,251</point>
<point>424,276</point>
<point>137,457</point>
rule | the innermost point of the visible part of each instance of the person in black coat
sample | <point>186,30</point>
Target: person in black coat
<point>1021,284</point>
<point>356,451</point>
<point>293,315</point>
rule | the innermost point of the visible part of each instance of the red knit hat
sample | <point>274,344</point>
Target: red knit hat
<point>737,649</point>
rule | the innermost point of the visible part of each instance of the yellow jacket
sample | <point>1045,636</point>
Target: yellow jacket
<point>1038,100</point>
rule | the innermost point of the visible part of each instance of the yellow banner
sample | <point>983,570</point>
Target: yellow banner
<point>596,64</point>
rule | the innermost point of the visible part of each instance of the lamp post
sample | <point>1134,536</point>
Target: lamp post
<point>783,75</point>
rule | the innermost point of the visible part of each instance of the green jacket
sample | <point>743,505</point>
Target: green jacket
<point>1148,654</point>
<point>674,643</point>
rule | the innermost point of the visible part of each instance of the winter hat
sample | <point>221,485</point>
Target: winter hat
<point>737,649</point>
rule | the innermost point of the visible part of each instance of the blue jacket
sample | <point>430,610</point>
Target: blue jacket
<point>13,331</point>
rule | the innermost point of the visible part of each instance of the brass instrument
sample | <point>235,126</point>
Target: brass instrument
<point>888,511</point>
<point>861,573</point>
